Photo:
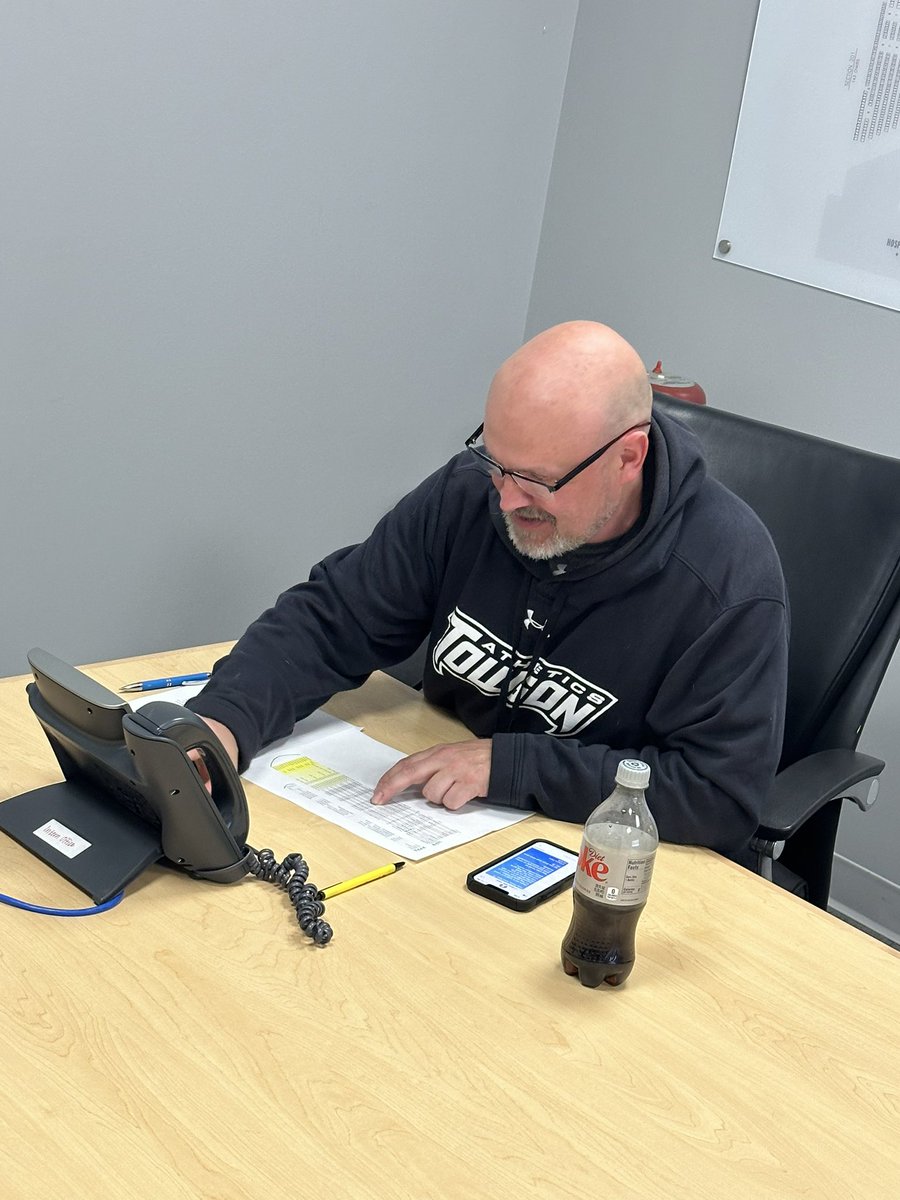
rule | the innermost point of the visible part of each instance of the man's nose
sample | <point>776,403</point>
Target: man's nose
<point>512,494</point>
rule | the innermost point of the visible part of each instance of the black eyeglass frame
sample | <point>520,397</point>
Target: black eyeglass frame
<point>550,487</point>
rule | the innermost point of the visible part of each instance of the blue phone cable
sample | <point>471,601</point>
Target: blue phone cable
<point>61,912</point>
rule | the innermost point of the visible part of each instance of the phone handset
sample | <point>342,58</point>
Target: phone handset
<point>205,834</point>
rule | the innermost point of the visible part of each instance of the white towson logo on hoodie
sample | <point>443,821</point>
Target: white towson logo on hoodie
<point>473,654</point>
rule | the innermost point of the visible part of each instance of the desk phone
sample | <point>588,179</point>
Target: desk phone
<point>132,796</point>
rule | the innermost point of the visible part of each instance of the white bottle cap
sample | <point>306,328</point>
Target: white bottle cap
<point>633,773</point>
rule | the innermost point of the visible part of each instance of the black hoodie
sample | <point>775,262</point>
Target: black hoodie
<point>668,644</point>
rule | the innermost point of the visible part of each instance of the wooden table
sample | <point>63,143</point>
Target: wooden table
<point>192,1043</point>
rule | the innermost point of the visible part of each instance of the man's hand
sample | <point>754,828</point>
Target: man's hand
<point>229,745</point>
<point>451,774</point>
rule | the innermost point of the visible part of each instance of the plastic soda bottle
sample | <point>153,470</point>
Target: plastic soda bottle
<point>612,880</point>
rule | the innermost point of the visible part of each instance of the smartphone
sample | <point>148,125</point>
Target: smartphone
<point>526,876</point>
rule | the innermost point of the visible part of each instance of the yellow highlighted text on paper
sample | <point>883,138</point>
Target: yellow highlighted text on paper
<point>310,772</point>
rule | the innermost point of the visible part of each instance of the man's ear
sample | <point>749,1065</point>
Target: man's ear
<point>633,453</point>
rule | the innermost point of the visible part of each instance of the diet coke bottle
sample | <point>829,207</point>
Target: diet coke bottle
<point>612,881</point>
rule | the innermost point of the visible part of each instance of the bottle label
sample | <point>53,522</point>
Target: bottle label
<point>614,876</point>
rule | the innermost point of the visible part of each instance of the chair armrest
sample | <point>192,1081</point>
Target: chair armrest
<point>805,786</point>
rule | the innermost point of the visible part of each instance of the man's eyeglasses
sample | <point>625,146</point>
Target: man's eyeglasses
<point>526,482</point>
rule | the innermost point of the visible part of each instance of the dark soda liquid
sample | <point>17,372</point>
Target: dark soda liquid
<point>599,943</point>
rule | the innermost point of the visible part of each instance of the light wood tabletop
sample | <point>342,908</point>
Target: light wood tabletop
<point>192,1043</point>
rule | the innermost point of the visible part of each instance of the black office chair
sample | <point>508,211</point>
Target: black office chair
<point>834,515</point>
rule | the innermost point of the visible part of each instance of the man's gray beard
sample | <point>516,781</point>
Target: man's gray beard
<point>555,547</point>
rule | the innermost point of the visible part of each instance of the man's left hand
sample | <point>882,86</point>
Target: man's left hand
<point>450,774</point>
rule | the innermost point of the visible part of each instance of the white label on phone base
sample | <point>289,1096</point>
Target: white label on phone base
<point>54,833</point>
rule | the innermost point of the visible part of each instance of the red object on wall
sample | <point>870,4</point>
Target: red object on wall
<point>676,385</point>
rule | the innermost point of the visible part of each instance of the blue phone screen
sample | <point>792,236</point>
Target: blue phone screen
<point>526,869</point>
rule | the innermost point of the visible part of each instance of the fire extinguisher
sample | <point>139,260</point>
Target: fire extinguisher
<point>676,385</point>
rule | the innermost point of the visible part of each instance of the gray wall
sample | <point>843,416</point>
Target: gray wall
<point>636,190</point>
<point>259,261</point>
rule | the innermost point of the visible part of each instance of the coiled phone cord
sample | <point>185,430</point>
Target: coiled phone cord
<point>291,875</point>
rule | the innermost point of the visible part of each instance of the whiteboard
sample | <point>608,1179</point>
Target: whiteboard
<point>813,191</point>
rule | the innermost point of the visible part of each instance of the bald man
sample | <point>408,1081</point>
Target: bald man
<point>588,594</point>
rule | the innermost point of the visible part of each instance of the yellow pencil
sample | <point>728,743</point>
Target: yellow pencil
<point>358,880</point>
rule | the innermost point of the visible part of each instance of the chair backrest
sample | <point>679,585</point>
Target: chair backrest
<point>834,514</point>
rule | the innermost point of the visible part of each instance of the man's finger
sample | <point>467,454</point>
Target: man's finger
<point>196,757</point>
<point>415,769</point>
<point>450,774</point>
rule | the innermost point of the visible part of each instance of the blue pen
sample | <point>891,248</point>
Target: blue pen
<point>152,685</point>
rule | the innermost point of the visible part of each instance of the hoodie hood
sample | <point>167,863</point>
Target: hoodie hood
<point>673,473</point>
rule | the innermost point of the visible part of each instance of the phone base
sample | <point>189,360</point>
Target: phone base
<point>118,845</point>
